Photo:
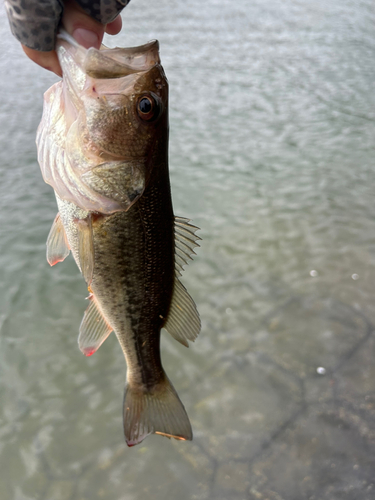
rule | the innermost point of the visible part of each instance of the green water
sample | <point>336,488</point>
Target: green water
<point>272,155</point>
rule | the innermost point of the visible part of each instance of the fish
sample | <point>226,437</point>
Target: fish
<point>103,147</point>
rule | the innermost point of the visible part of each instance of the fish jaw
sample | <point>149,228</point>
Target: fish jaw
<point>109,63</point>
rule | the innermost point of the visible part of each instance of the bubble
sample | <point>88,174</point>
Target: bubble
<point>313,273</point>
<point>321,371</point>
<point>228,310</point>
<point>355,276</point>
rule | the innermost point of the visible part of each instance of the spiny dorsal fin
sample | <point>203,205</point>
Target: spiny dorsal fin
<point>57,243</point>
<point>183,321</point>
<point>86,248</point>
<point>94,329</point>
<point>185,242</point>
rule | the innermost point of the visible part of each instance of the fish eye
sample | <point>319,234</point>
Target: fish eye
<point>145,105</point>
<point>147,108</point>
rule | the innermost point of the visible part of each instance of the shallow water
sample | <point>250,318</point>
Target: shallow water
<point>272,155</point>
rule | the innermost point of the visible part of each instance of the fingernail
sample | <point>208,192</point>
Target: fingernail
<point>86,38</point>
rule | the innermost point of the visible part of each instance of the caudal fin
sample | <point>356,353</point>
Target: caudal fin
<point>158,412</point>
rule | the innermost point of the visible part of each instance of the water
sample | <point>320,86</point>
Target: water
<point>272,155</point>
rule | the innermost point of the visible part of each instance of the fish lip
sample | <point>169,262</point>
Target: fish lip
<point>108,63</point>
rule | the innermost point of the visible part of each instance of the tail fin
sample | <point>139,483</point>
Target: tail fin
<point>156,412</point>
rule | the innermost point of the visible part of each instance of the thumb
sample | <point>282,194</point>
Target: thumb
<point>83,28</point>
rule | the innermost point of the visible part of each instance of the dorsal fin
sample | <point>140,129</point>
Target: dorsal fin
<point>183,321</point>
<point>185,242</point>
<point>94,328</point>
<point>57,243</point>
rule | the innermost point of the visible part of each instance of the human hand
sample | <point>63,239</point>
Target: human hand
<point>86,30</point>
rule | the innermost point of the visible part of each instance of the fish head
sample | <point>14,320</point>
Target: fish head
<point>109,124</point>
<point>118,96</point>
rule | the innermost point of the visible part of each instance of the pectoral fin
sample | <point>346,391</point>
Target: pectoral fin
<point>85,248</point>
<point>57,243</point>
<point>94,329</point>
<point>121,182</point>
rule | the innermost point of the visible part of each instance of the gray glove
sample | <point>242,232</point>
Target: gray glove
<point>35,22</point>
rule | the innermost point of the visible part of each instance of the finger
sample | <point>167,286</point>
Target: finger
<point>47,60</point>
<point>114,27</point>
<point>81,26</point>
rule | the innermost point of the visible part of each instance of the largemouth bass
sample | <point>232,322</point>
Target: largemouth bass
<point>103,147</point>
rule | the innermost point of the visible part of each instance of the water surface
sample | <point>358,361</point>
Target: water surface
<point>272,155</point>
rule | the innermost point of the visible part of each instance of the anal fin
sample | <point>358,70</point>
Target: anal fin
<point>94,328</point>
<point>57,243</point>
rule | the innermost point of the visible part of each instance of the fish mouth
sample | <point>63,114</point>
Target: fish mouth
<point>108,63</point>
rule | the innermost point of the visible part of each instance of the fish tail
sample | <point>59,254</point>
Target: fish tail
<point>157,411</point>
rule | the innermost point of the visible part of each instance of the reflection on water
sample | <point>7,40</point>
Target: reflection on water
<point>272,127</point>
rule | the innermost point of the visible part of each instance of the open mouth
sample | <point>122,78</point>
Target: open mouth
<point>113,63</point>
